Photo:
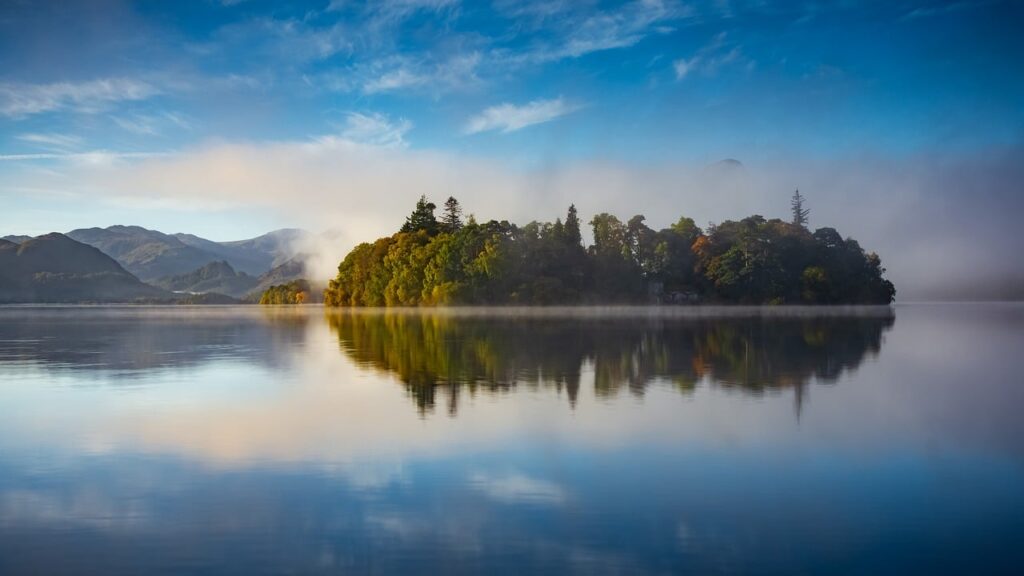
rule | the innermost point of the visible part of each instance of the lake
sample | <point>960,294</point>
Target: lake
<point>248,440</point>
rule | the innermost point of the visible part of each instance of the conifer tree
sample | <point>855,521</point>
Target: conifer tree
<point>422,218</point>
<point>451,221</point>
<point>800,213</point>
<point>572,227</point>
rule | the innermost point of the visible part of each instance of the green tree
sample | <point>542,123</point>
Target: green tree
<point>294,292</point>
<point>451,220</point>
<point>422,218</point>
<point>573,236</point>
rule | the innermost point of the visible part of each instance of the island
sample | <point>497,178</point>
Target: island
<point>450,260</point>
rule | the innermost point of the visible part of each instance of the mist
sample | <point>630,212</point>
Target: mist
<point>945,224</point>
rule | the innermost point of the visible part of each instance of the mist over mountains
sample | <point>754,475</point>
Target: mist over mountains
<point>150,254</point>
<point>131,263</point>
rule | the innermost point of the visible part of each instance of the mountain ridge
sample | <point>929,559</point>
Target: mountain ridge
<point>152,255</point>
<point>54,268</point>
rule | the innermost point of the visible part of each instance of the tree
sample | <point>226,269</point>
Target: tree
<point>422,218</point>
<point>609,235</point>
<point>451,221</point>
<point>573,236</point>
<point>800,213</point>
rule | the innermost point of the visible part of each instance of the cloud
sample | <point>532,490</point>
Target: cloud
<point>137,124</point>
<point>91,158</point>
<point>52,141</point>
<point>374,130</point>
<point>397,72</point>
<point>683,66</point>
<point>395,79</point>
<point>941,9</point>
<point>18,100</point>
<point>509,117</point>
<point>714,55</point>
<point>151,124</point>
<point>398,10</point>
<point>275,41</point>
<point>605,30</point>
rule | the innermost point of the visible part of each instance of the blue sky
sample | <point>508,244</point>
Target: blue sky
<point>666,79</point>
<point>120,112</point>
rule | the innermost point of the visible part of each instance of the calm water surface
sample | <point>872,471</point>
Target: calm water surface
<point>251,440</point>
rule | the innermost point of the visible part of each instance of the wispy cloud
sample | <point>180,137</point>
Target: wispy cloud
<point>151,124</point>
<point>510,117</point>
<point>941,9</point>
<point>397,10</point>
<point>683,67</point>
<point>405,73</point>
<point>375,130</point>
<point>19,100</point>
<point>91,158</point>
<point>272,40</point>
<point>52,141</point>
<point>606,30</point>
<point>137,124</point>
<point>709,59</point>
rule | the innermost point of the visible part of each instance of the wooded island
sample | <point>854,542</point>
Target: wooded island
<point>435,261</point>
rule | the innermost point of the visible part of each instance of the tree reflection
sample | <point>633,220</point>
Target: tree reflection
<point>439,352</point>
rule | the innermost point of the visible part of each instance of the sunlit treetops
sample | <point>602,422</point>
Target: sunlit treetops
<point>294,292</point>
<point>433,262</point>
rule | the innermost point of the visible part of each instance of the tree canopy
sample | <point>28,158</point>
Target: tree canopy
<point>294,292</point>
<point>751,261</point>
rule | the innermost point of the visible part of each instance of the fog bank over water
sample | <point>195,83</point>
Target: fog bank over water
<point>944,223</point>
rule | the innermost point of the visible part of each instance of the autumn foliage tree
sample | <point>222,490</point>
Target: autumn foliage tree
<point>754,260</point>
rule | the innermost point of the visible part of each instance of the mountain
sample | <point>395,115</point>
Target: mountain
<point>146,253</point>
<point>220,277</point>
<point>17,239</point>
<point>55,268</point>
<point>255,255</point>
<point>293,269</point>
<point>151,255</point>
<point>217,277</point>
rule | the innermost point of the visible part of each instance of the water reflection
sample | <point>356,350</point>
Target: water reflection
<point>434,352</point>
<point>249,440</point>
<point>125,342</point>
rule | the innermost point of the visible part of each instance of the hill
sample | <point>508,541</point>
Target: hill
<point>55,268</point>
<point>286,272</point>
<point>221,278</point>
<point>217,277</point>
<point>17,239</point>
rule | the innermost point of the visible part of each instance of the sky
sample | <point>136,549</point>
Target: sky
<point>900,121</point>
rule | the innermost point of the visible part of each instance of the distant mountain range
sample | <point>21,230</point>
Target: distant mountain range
<point>150,254</point>
<point>55,268</point>
<point>131,263</point>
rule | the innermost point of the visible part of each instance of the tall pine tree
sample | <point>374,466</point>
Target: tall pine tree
<point>800,213</point>
<point>451,221</point>
<point>572,227</point>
